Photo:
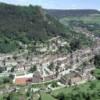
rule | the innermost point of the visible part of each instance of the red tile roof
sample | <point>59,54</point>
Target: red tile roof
<point>20,81</point>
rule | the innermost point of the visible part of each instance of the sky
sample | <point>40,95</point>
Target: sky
<point>58,4</point>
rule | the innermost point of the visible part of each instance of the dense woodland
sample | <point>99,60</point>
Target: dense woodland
<point>25,24</point>
<point>30,21</point>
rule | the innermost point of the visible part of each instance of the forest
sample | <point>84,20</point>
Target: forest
<point>25,24</point>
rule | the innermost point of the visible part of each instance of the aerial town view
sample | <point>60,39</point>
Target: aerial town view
<point>49,50</point>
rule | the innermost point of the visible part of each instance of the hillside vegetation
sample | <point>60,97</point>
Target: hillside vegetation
<point>25,24</point>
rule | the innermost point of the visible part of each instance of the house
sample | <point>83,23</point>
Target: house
<point>50,77</point>
<point>23,79</point>
<point>76,80</point>
<point>72,78</point>
<point>37,78</point>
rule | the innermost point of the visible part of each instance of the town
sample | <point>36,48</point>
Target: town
<point>49,54</point>
<point>49,65</point>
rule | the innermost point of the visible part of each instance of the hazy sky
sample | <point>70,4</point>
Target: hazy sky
<point>59,4</point>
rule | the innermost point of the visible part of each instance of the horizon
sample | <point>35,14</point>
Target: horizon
<point>49,8</point>
<point>58,5</point>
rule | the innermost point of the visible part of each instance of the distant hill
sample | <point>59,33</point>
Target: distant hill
<point>64,13</point>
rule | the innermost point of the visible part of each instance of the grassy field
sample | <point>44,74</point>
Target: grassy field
<point>45,96</point>
<point>1,97</point>
<point>86,19</point>
<point>84,87</point>
<point>87,87</point>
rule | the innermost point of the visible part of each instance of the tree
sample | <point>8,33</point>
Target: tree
<point>13,96</point>
<point>51,66</point>
<point>97,60</point>
<point>6,80</point>
<point>54,84</point>
<point>75,44</point>
<point>69,82</point>
<point>57,70</point>
<point>92,85</point>
<point>61,96</point>
<point>11,76</point>
<point>40,98</point>
<point>12,69</point>
<point>33,69</point>
<point>1,69</point>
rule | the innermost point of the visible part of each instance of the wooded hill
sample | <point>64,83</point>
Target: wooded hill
<point>25,23</point>
<point>65,13</point>
<point>31,23</point>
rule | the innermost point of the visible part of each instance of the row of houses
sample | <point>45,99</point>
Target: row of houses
<point>77,76</point>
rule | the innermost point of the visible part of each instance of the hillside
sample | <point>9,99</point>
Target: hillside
<point>64,13</point>
<point>21,25</point>
<point>31,20</point>
<point>90,22</point>
<point>25,24</point>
